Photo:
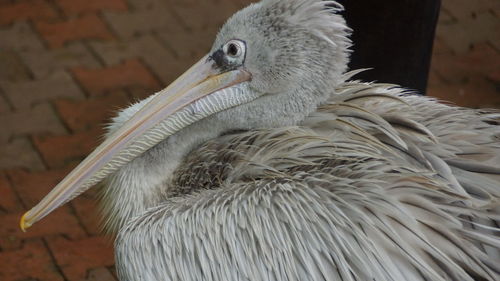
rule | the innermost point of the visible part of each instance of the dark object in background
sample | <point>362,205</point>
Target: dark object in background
<point>394,37</point>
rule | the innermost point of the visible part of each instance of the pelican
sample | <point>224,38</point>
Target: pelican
<point>266,161</point>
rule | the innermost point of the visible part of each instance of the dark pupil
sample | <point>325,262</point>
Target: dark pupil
<point>232,50</point>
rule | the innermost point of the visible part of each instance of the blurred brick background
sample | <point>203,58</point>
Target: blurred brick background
<point>66,65</point>
<point>466,59</point>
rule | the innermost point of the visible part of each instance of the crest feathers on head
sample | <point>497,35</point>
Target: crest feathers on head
<point>319,16</point>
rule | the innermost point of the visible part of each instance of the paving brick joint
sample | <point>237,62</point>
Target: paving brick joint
<point>67,65</point>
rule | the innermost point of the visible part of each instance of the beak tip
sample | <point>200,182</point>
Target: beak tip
<point>23,224</point>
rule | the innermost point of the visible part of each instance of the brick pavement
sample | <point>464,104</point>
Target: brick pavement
<point>66,65</point>
<point>466,60</point>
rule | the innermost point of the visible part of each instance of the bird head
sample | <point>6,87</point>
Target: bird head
<point>284,43</point>
<point>271,64</point>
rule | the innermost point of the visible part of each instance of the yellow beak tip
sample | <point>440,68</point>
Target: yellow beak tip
<point>23,224</point>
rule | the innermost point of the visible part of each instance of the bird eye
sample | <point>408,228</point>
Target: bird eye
<point>234,48</point>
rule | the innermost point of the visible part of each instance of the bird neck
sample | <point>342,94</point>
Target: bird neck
<point>145,181</point>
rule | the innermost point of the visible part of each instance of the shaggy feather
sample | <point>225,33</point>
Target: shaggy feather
<point>315,177</point>
<point>298,203</point>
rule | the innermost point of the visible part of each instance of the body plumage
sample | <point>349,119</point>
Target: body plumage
<point>351,193</point>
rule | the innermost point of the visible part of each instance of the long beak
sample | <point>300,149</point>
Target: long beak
<point>201,80</point>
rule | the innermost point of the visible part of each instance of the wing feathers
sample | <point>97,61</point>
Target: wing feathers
<point>376,185</point>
